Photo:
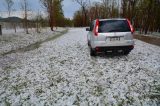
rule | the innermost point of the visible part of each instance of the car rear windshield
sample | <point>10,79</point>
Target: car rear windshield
<point>113,26</point>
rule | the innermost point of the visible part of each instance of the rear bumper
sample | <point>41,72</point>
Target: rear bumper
<point>124,43</point>
<point>114,48</point>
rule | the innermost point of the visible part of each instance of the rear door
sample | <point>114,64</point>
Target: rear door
<point>90,33</point>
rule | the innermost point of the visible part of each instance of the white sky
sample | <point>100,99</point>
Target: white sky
<point>69,7</point>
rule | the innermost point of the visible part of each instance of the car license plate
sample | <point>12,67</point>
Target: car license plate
<point>115,39</point>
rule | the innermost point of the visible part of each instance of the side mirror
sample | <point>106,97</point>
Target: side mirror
<point>87,29</point>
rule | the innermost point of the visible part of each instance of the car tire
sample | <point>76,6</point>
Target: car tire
<point>88,43</point>
<point>92,52</point>
<point>126,52</point>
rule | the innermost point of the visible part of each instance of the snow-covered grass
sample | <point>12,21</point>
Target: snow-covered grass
<point>12,41</point>
<point>152,34</point>
<point>61,73</point>
<point>11,31</point>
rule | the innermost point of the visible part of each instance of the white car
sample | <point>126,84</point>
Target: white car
<point>110,35</point>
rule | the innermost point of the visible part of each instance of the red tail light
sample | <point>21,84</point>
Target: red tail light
<point>131,27</point>
<point>97,49</point>
<point>96,28</point>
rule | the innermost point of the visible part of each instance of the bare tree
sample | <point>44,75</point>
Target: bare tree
<point>49,5</point>
<point>106,7</point>
<point>25,8</point>
<point>9,4</point>
<point>38,17</point>
<point>144,14</point>
<point>55,12</point>
<point>83,4</point>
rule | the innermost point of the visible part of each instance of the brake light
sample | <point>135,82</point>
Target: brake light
<point>96,28</point>
<point>97,49</point>
<point>131,27</point>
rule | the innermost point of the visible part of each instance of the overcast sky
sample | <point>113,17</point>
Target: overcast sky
<point>69,7</point>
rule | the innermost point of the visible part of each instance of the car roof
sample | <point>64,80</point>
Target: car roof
<point>112,19</point>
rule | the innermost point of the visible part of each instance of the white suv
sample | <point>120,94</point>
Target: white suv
<point>110,35</point>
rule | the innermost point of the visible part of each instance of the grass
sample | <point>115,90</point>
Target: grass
<point>148,39</point>
<point>4,79</point>
<point>155,92</point>
<point>77,101</point>
<point>17,88</point>
<point>35,45</point>
<point>7,70</point>
<point>97,91</point>
<point>6,39</point>
<point>39,91</point>
<point>7,103</point>
<point>121,103</point>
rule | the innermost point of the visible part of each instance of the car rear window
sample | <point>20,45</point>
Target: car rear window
<point>113,26</point>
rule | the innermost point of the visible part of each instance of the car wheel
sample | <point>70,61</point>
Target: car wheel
<point>92,52</point>
<point>126,52</point>
<point>88,43</point>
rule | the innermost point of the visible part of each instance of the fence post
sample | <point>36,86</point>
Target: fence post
<point>0,30</point>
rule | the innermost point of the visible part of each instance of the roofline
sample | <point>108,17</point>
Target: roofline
<point>112,19</point>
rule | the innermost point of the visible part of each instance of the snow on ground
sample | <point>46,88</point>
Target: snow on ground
<point>152,34</point>
<point>61,73</point>
<point>9,31</point>
<point>12,41</point>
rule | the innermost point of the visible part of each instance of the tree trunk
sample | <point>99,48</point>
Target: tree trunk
<point>14,24</point>
<point>0,30</point>
<point>51,24</point>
